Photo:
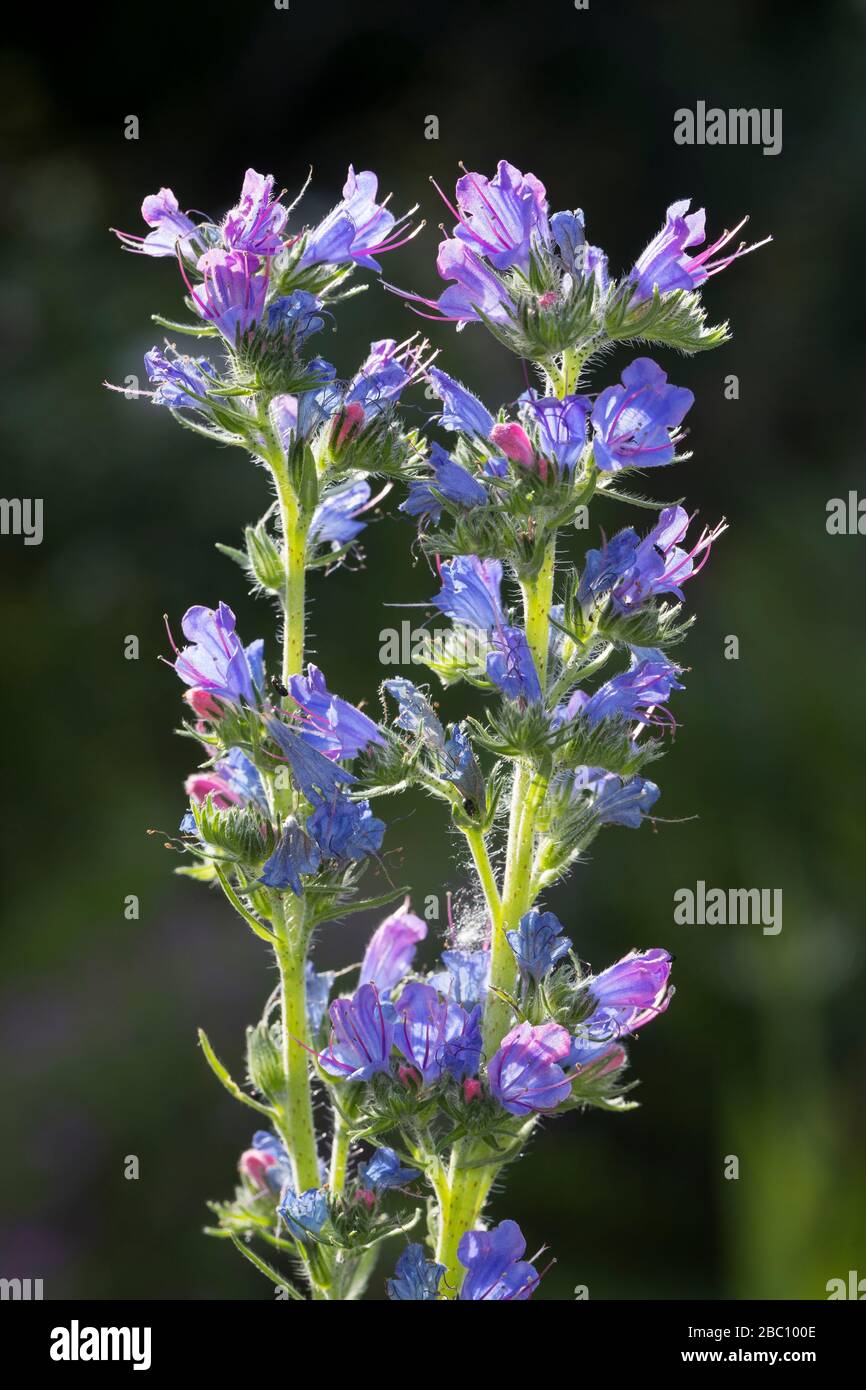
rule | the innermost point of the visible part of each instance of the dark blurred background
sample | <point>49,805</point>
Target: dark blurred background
<point>762,1054</point>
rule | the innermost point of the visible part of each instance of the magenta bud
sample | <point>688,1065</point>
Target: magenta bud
<point>409,1076</point>
<point>203,703</point>
<point>348,422</point>
<point>471,1090</point>
<point>367,1197</point>
<point>514,443</point>
<point>254,1164</point>
<point>202,784</point>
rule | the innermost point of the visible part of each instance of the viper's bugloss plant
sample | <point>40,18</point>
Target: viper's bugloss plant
<point>435,1080</point>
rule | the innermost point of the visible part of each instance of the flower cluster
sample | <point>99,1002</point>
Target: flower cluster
<point>436,1075</point>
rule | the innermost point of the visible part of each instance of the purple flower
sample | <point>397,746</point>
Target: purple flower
<point>336,516</point>
<point>434,1034</point>
<point>626,996</point>
<point>632,422</point>
<point>525,1074</point>
<point>511,666</point>
<point>560,427</point>
<point>454,482</point>
<point>477,292</point>
<point>635,988</point>
<point>332,725</point>
<point>362,1036</point>
<point>470,592</point>
<point>216,660</point>
<point>258,220</point>
<point>314,774</point>
<point>295,854</point>
<point>639,693</point>
<point>538,943</point>
<point>665,264</point>
<point>345,829</point>
<point>180,381</point>
<point>659,565</point>
<point>384,1171</point>
<point>391,949</point>
<point>304,1213</point>
<point>232,293</point>
<point>499,218</point>
<point>172,229</point>
<point>384,374</point>
<point>417,1279</point>
<point>461,410</point>
<point>495,1268</point>
<point>358,228</point>
<point>465,976</point>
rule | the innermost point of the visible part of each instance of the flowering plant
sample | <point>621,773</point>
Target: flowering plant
<point>435,1079</point>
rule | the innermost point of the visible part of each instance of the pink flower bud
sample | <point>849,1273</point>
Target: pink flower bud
<point>203,703</point>
<point>348,422</point>
<point>367,1197</point>
<point>202,784</point>
<point>409,1076</point>
<point>254,1164</point>
<point>471,1090</point>
<point>514,443</point>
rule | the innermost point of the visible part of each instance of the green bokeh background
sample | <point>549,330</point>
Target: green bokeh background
<point>762,1054</point>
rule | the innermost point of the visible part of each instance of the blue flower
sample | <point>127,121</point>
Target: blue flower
<point>296,316</point>
<point>361,1038</point>
<point>511,666</point>
<point>416,714</point>
<point>454,482</point>
<point>560,427</point>
<point>384,1170</point>
<point>179,380</point>
<point>470,592</point>
<point>336,516</point>
<point>579,258</point>
<point>305,1213</point>
<point>495,1268</point>
<point>314,774</point>
<point>328,723</point>
<point>465,976</point>
<point>319,984</point>
<point>345,829</point>
<point>538,942</point>
<point>294,855</point>
<point>632,422</point>
<point>417,1279</point>
<point>461,768</point>
<point>461,410</point>
<point>383,375</point>
<point>435,1034</point>
<point>639,693</point>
